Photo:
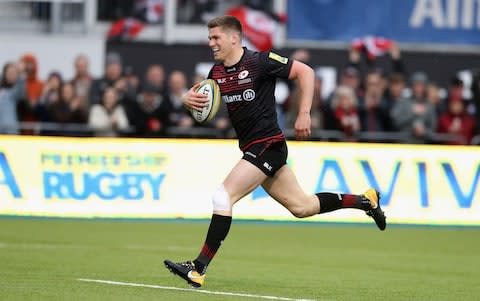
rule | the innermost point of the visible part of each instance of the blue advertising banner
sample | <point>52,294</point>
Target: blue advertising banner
<point>421,21</point>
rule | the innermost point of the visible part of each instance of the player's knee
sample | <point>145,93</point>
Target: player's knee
<point>221,200</point>
<point>299,211</point>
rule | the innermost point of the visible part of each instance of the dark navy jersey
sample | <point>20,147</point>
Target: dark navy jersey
<point>248,90</point>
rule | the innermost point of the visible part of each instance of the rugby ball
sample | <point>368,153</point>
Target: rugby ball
<point>210,88</point>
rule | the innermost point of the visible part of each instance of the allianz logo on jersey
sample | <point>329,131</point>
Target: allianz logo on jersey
<point>247,95</point>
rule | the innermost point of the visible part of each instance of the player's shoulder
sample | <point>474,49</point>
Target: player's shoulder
<point>272,57</point>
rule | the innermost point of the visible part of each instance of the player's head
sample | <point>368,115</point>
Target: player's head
<point>224,34</point>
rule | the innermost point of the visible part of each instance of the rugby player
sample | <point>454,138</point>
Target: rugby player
<point>247,83</point>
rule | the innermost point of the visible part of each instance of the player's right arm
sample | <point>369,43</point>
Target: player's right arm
<point>194,100</point>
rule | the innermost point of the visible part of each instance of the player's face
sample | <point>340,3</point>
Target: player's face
<point>220,42</point>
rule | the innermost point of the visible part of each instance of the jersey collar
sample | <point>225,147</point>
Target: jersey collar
<point>233,68</point>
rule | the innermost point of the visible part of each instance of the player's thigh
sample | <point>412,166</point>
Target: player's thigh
<point>286,190</point>
<point>242,179</point>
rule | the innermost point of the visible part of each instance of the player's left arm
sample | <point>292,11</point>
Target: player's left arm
<point>305,78</point>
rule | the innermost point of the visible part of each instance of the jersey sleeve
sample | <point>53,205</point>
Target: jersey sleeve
<point>275,65</point>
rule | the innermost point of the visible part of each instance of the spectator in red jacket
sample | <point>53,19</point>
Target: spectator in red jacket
<point>457,121</point>
<point>344,107</point>
<point>34,87</point>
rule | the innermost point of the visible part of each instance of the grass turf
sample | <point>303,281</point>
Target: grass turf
<point>42,260</point>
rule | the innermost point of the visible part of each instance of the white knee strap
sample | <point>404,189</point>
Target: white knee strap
<point>221,200</point>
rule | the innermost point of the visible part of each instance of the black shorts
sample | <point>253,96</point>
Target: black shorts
<point>267,156</point>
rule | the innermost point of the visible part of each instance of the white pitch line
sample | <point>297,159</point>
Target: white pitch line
<point>201,291</point>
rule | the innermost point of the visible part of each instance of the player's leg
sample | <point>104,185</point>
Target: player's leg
<point>241,180</point>
<point>284,188</point>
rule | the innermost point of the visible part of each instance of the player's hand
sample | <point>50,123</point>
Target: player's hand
<point>194,100</point>
<point>302,125</point>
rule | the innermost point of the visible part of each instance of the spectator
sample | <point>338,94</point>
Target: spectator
<point>434,97</point>
<point>12,90</point>
<point>419,82</point>
<point>50,95</point>
<point>455,92</point>
<point>373,109</point>
<point>108,117</point>
<point>349,77</point>
<point>344,107</point>
<point>34,88</point>
<point>177,87</point>
<point>415,116</point>
<point>51,89</point>
<point>69,107</point>
<point>396,88</point>
<point>394,94</point>
<point>82,80</point>
<point>149,113</point>
<point>155,76</point>
<point>113,72</point>
<point>125,91</point>
<point>457,121</point>
<point>133,82</point>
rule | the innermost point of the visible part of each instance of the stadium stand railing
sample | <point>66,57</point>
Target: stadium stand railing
<point>77,129</point>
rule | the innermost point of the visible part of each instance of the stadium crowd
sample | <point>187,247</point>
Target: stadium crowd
<point>364,106</point>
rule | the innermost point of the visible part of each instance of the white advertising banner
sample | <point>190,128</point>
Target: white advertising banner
<point>175,178</point>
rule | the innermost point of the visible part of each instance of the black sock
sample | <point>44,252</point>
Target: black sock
<point>217,231</point>
<point>334,201</point>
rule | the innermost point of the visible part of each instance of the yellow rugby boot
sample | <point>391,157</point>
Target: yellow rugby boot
<point>375,211</point>
<point>187,271</point>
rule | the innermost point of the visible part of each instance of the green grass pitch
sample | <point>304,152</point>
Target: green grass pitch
<point>42,259</point>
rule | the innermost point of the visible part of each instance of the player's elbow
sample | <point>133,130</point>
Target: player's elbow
<point>301,71</point>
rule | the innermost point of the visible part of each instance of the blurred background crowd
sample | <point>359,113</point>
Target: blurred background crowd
<point>367,102</point>
<point>148,105</point>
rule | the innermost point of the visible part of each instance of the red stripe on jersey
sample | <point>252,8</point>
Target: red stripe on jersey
<point>271,139</point>
<point>230,80</point>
